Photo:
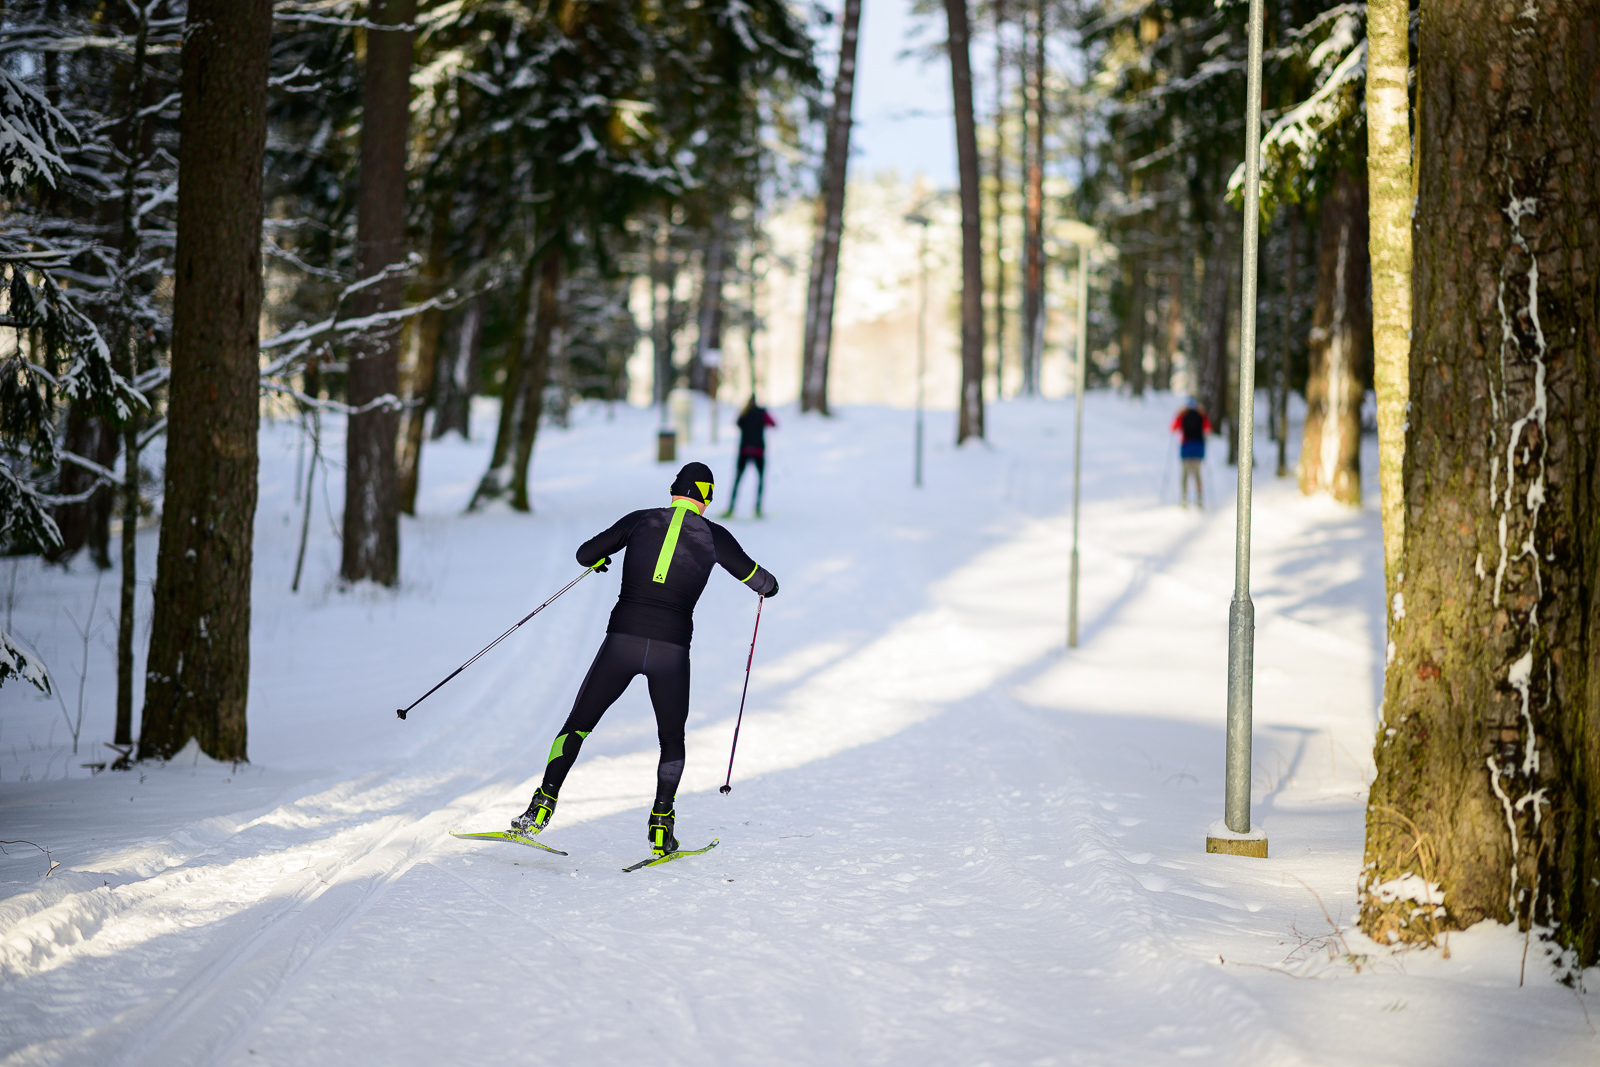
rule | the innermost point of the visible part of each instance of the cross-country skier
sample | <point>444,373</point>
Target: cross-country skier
<point>753,422</point>
<point>1193,425</point>
<point>670,553</point>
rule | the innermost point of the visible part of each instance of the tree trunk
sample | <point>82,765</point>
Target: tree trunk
<point>371,489</point>
<point>87,522</point>
<point>424,331</point>
<point>1389,221</point>
<point>456,378</point>
<point>1488,759</point>
<point>1341,329</point>
<point>830,223</point>
<point>1033,295</point>
<point>1213,379</point>
<point>1029,387</point>
<point>1280,384</point>
<point>1133,324</point>
<point>999,200</point>
<point>663,316</point>
<point>709,337</point>
<point>1172,332</point>
<point>971,419</point>
<point>496,480</point>
<point>546,319</point>
<point>198,676</point>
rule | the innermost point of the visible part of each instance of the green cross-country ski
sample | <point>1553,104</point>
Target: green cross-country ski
<point>507,835</point>
<point>670,856</point>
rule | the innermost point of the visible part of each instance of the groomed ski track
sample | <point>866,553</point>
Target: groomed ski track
<point>948,842</point>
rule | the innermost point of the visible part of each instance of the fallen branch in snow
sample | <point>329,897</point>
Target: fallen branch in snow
<point>41,848</point>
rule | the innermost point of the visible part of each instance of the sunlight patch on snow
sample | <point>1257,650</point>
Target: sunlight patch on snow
<point>988,619</point>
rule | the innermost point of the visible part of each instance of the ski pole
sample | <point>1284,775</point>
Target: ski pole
<point>402,711</point>
<point>727,786</point>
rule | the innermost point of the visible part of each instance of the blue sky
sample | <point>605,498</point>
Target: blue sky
<point>902,105</point>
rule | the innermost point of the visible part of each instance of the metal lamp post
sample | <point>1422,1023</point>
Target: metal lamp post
<point>1236,836</point>
<point>919,219</point>
<point>1077,435</point>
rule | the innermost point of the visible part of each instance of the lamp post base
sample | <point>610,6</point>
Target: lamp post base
<point>1223,841</point>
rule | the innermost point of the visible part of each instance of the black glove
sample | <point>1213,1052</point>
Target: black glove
<point>763,583</point>
<point>605,561</point>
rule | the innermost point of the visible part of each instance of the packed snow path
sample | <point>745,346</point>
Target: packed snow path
<point>949,841</point>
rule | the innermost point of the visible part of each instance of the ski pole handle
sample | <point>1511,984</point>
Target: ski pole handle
<point>727,786</point>
<point>402,711</point>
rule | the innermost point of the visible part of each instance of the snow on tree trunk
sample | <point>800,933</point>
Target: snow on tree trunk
<point>1341,330</point>
<point>198,675</point>
<point>372,489</point>
<point>1488,758</point>
<point>830,223</point>
<point>970,423</point>
<point>1389,221</point>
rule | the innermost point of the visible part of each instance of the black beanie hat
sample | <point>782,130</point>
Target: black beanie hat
<point>694,482</point>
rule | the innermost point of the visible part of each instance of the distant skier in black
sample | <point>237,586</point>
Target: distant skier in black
<point>671,551</point>
<point>753,423</point>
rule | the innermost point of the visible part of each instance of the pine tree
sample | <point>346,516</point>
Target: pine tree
<point>371,542</point>
<point>197,681</point>
<point>818,340</point>
<point>1488,759</point>
<point>970,421</point>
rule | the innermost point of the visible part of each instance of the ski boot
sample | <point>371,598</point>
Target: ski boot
<point>662,841</point>
<point>537,817</point>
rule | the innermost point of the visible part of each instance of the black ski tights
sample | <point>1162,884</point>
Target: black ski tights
<point>621,657</point>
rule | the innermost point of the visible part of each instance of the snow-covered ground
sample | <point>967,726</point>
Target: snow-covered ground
<point>950,841</point>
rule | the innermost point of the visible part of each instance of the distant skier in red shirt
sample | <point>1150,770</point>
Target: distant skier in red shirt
<point>1193,425</point>
<point>753,423</point>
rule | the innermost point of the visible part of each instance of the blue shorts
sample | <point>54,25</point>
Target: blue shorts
<point>1192,450</point>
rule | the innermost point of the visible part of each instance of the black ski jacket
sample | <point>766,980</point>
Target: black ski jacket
<point>671,553</point>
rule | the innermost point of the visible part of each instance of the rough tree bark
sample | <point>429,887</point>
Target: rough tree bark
<point>1389,225</point>
<point>372,490</point>
<point>970,423</point>
<point>423,334</point>
<point>198,674</point>
<point>1488,758</point>
<point>830,223</point>
<point>1341,332</point>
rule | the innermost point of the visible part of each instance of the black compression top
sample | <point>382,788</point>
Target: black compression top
<point>670,555</point>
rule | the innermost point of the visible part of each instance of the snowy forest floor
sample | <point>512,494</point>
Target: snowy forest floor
<point>950,841</point>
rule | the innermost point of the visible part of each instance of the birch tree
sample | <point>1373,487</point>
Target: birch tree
<point>1389,239</point>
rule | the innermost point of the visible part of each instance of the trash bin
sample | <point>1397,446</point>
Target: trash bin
<point>666,446</point>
